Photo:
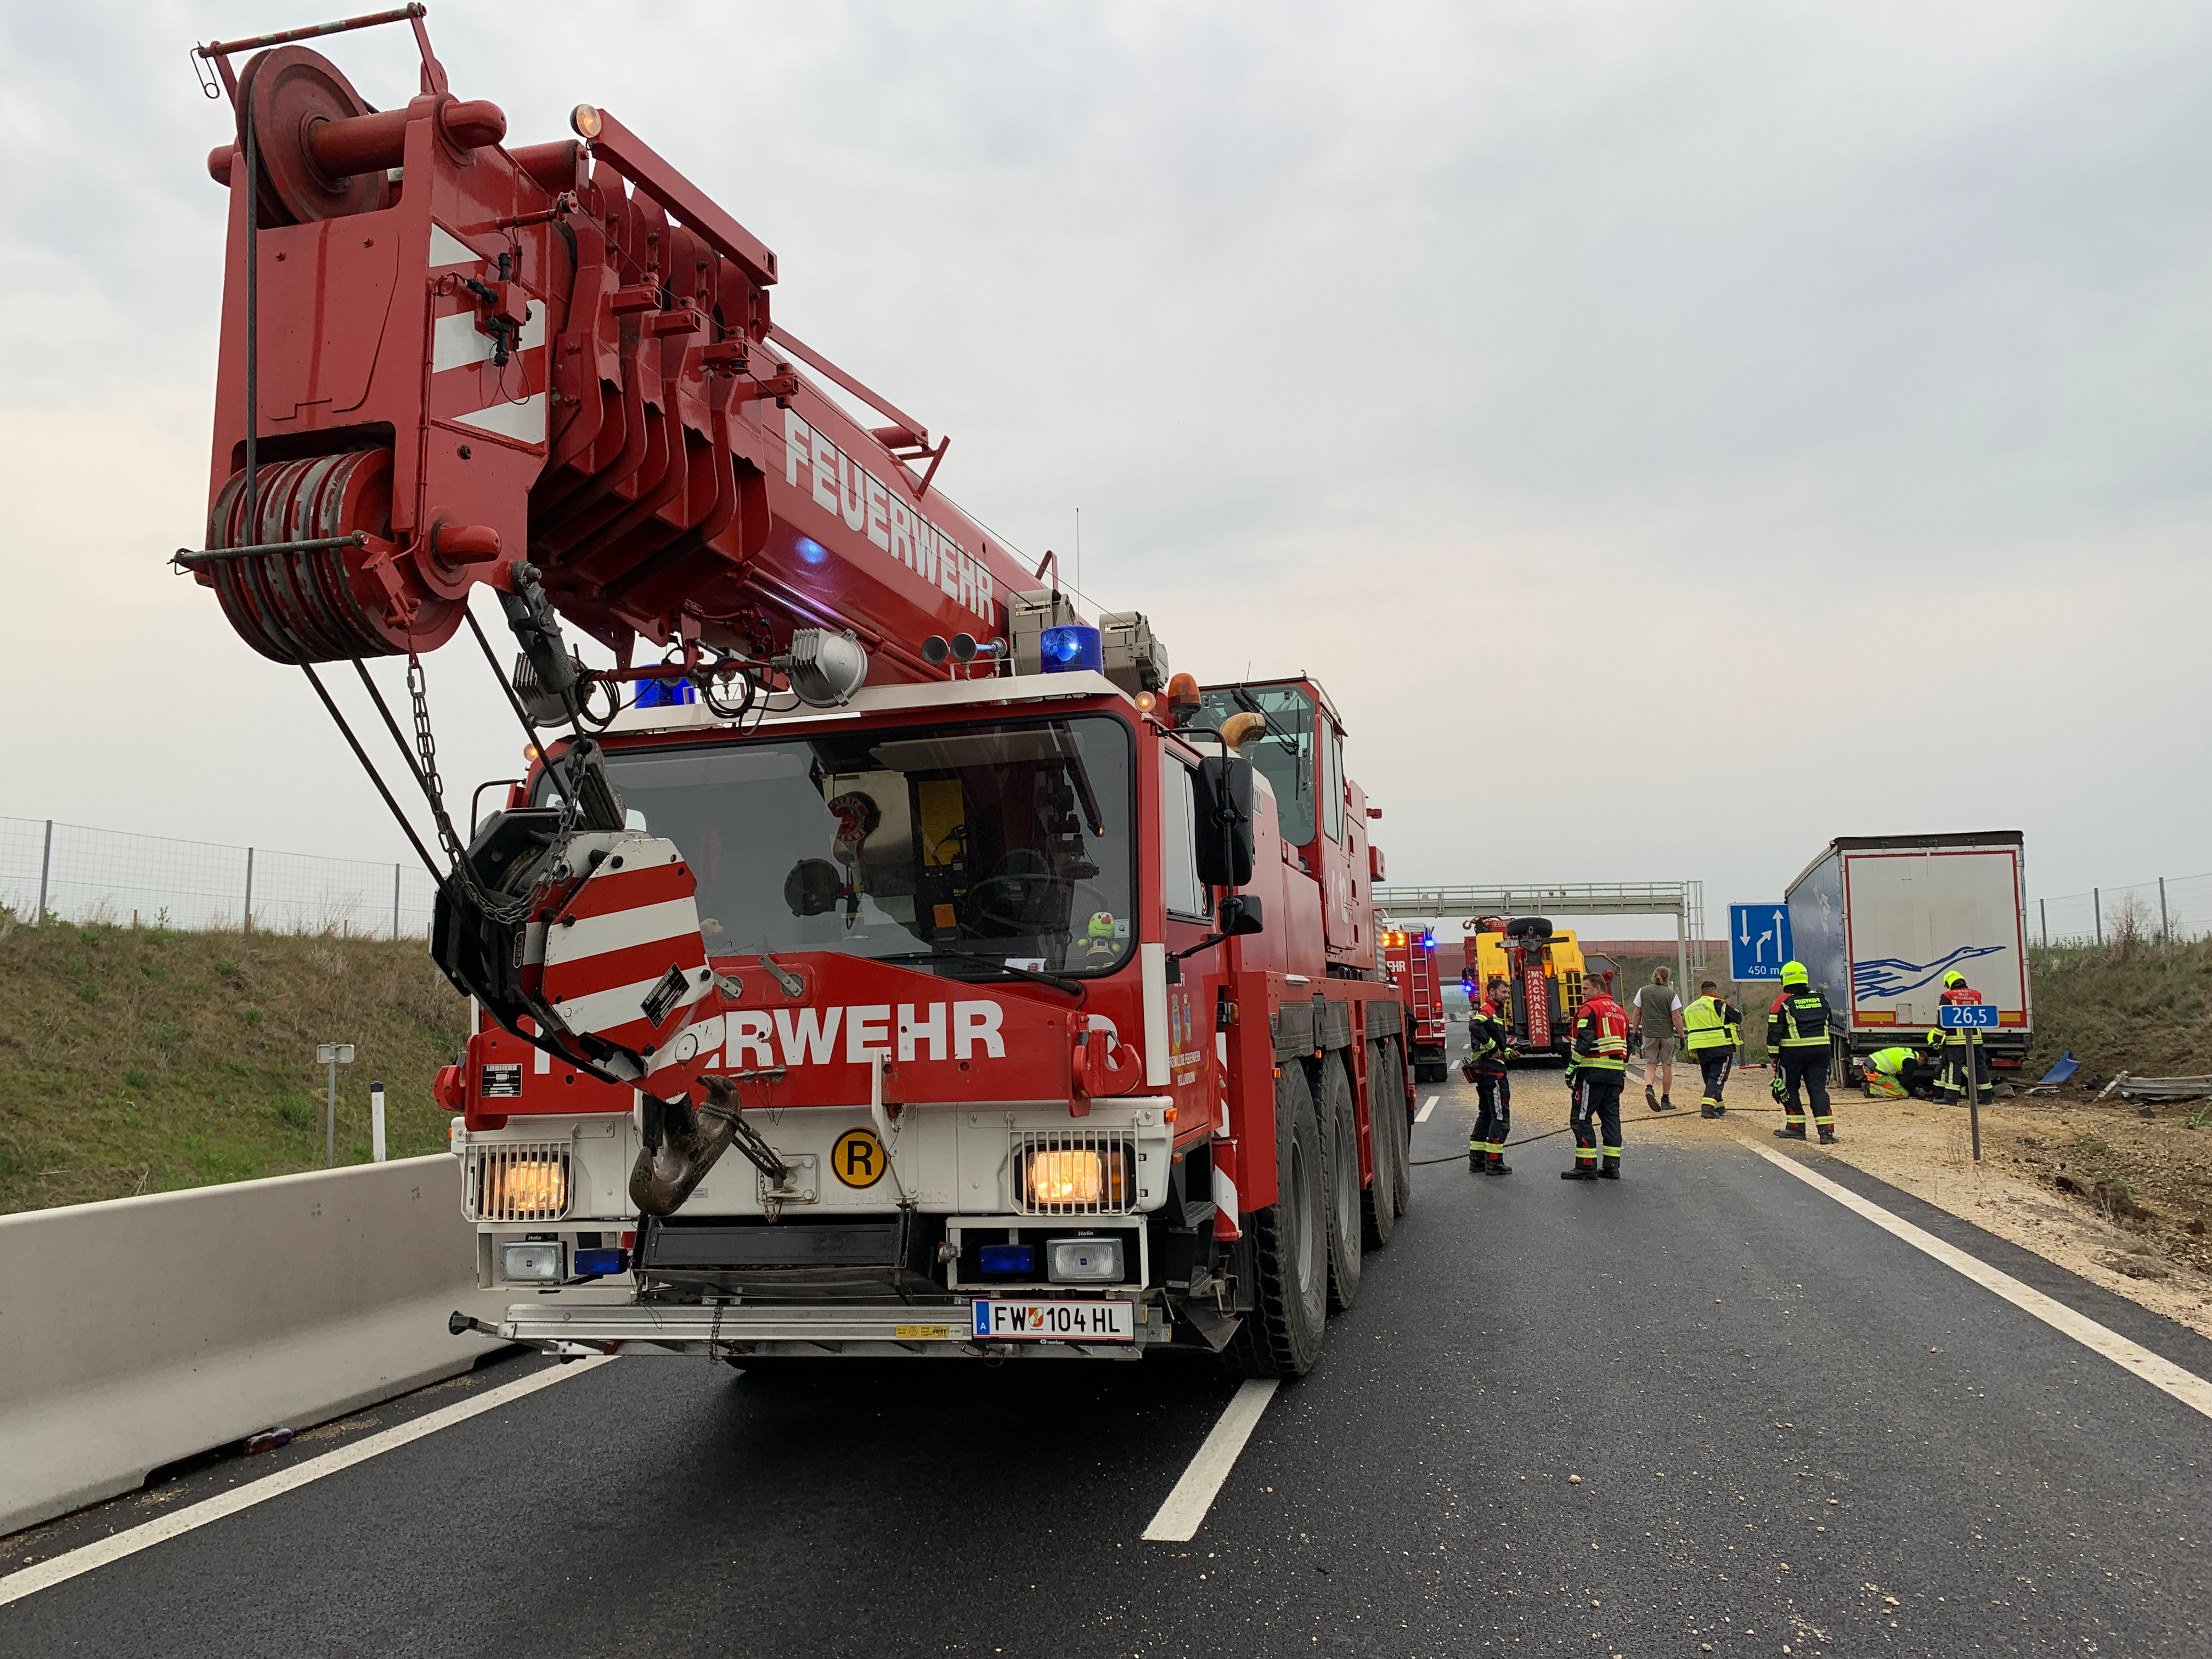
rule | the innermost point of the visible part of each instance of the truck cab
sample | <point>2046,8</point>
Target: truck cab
<point>1543,968</point>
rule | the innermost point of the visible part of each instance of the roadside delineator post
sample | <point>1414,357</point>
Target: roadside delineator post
<point>376,1122</point>
<point>332,1055</point>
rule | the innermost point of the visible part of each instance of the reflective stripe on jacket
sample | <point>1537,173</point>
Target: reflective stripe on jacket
<point>1601,1035</point>
<point>1710,1023</point>
<point>1803,1019</point>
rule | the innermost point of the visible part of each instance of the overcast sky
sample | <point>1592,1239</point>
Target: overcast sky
<point>1676,434</point>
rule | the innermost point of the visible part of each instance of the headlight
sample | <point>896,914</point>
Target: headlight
<point>521,1187</point>
<point>536,1262</point>
<point>1053,1178</point>
<point>1084,1260</point>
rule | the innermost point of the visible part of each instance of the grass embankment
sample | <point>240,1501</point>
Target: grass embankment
<point>136,1060</point>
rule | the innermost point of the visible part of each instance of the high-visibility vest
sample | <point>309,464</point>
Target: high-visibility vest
<point>1890,1061</point>
<point>1803,1019</point>
<point>1706,1023</point>
<point>1602,1036</point>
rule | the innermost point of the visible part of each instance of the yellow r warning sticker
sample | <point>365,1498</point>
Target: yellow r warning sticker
<point>858,1158</point>
<point>922,1333</point>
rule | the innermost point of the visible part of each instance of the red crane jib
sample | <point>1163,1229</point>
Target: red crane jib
<point>467,355</point>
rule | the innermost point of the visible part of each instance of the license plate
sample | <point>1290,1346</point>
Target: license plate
<point>1056,1321</point>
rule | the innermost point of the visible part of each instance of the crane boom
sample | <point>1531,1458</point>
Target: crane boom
<point>455,360</point>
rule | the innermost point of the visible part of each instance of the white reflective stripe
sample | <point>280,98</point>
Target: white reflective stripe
<point>456,341</point>
<point>602,1011</point>
<point>61,1568</point>
<point>1225,1195</point>
<point>2187,1387</point>
<point>1180,1518</point>
<point>1152,964</point>
<point>447,249</point>
<point>674,920</point>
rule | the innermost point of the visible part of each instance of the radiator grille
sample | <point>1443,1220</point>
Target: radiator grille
<point>517,1181</point>
<point>1070,1172</point>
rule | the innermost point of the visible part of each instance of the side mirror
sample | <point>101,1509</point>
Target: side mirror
<point>1240,913</point>
<point>1223,798</point>
<point>812,888</point>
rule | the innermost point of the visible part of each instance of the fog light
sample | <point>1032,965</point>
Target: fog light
<point>1084,1260</point>
<point>1011,1260</point>
<point>537,1262</point>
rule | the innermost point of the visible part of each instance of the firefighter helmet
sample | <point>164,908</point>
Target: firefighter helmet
<point>1953,979</point>
<point>1793,973</point>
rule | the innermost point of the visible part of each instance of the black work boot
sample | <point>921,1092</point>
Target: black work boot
<point>1498,1165</point>
<point>1578,1173</point>
<point>1666,1104</point>
<point>1474,1162</point>
<point>1611,1171</point>
<point>1828,1136</point>
<point>1706,1108</point>
<point>1794,1132</point>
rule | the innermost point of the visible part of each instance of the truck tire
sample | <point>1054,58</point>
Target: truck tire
<point>1340,1139</point>
<point>1379,1206</point>
<point>1289,1248</point>
<point>1403,1110</point>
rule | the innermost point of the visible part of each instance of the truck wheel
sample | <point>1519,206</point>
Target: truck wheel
<point>1282,1334</point>
<point>1402,1110</point>
<point>1341,1137</point>
<point>1386,1113</point>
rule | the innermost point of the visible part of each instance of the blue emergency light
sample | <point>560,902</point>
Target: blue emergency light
<point>1008,1261</point>
<point>1428,941</point>
<point>600,1261</point>
<point>1071,647</point>
<point>665,694</point>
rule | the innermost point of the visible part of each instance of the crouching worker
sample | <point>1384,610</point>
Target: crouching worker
<point>1894,1073</point>
<point>1713,1029</point>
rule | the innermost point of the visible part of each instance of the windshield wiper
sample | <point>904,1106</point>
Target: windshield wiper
<point>1074,987</point>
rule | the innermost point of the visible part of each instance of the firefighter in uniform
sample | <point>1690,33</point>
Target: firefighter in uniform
<point>1713,1029</point>
<point>1490,1045</point>
<point>1797,1031</point>
<point>1951,1083</point>
<point>1597,1066</point>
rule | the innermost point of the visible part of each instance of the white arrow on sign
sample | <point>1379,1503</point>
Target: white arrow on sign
<point>1746,939</point>
<point>1763,938</point>
<point>1778,933</point>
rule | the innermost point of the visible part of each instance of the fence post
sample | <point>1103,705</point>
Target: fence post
<point>2165,933</point>
<point>395,900</point>
<point>46,868</point>
<point>245,917</point>
<point>2096,910</point>
<point>2043,910</point>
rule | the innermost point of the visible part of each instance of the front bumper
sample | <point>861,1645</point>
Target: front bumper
<point>893,1330</point>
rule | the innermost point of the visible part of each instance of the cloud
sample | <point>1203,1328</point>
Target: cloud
<point>1554,381</point>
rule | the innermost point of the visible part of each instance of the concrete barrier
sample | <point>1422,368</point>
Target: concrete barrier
<point>142,1330</point>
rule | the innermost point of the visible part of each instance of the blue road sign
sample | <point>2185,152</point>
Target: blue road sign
<point>1959,1017</point>
<point>1759,941</point>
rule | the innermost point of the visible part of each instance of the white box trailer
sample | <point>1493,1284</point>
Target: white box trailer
<point>1879,920</point>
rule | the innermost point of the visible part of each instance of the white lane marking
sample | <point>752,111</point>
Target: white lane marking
<point>2187,1387</point>
<point>1180,1518</point>
<point>1427,1106</point>
<point>31,1580</point>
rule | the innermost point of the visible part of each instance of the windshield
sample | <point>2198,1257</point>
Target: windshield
<point>1009,842</point>
<point>1283,752</point>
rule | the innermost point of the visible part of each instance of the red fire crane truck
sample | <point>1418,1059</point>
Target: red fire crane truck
<point>1409,960</point>
<point>1034,987</point>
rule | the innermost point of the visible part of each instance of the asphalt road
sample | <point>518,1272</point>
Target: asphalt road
<point>1794,1434</point>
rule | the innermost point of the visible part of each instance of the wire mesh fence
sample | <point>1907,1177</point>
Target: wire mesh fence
<point>2175,907</point>
<point>76,874</point>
